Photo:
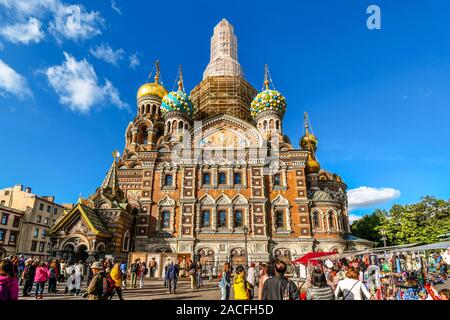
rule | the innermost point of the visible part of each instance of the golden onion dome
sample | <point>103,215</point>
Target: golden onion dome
<point>152,89</point>
<point>308,142</point>
<point>312,166</point>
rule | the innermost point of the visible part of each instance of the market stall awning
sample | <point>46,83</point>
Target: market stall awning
<point>312,255</point>
<point>431,246</point>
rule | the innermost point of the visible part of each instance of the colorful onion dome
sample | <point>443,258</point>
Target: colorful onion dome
<point>177,101</point>
<point>268,100</point>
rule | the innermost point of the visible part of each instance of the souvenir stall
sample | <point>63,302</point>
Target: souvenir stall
<point>303,267</point>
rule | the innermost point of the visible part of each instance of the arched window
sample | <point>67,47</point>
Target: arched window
<point>206,218</point>
<point>174,125</point>
<point>277,124</point>
<point>277,179</point>
<point>265,124</point>
<point>126,242</point>
<point>279,219</point>
<point>180,125</point>
<point>238,218</point>
<point>165,219</point>
<point>186,126</point>
<point>222,218</point>
<point>271,124</point>
<point>169,127</point>
<point>143,135</point>
<point>153,109</point>
<point>168,180</point>
<point>330,220</point>
<point>316,219</point>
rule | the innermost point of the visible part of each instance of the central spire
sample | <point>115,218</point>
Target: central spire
<point>223,59</point>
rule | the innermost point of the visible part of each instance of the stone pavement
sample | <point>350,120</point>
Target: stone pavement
<point>152,290</point>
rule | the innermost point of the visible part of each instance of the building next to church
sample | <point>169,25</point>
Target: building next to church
<point>29,219</point>
<point>211,176</point>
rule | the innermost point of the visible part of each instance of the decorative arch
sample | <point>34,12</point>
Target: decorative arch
<point>166,201</point>
<point>239,199</point>
<point>280,201</point>
<point>223,199</point>
<point>207,200</point>
<point>238,133</point>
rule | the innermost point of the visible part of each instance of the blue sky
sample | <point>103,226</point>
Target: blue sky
<point>377,99</point>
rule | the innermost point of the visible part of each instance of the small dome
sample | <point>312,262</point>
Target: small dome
<point>312,166</point>
<point>308,142</point>
<point>268,100</point>
<point>152,89</point>
<point>177,101</point>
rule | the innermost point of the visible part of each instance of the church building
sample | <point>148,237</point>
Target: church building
<point>210,176</point>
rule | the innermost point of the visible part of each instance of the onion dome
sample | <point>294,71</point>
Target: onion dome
<point>177,100</point>
<point>268,100</point>
<point>154,89</point>
<point>312,165</point>
<point>308,141</point>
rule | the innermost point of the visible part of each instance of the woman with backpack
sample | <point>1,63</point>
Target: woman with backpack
<point>225,282</point>
<point>241,286</point>
<point>52,277</point>
<point>117,276</point>
<point>351,288</point>
<point>9,285</point>
<point>40,278</point>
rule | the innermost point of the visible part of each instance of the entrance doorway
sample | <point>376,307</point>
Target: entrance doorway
<point>81,253</point>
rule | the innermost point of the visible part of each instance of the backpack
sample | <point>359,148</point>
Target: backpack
<point>111,284</point>
<point>134,268</point>
<point>52,273</point>
<point>145,271</point>
<point>4,292</point>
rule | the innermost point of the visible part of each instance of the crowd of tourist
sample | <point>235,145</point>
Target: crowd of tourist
<point>106,278</point>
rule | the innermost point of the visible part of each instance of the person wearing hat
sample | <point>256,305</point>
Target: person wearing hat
<point>28,275</point>
<point>98,284</point>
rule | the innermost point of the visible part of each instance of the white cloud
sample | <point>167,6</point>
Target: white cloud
<point>352,218</point>
<point>366,197</point>
<point>65,21</point>
<point>116,7</point>
<point>73,22</point>
<point>13,83</point>
<point>77,85</point>
<point>106,53</point>
<point>134,60</point>
<point>24,33</point>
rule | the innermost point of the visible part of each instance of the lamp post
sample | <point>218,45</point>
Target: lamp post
<point>246,251</point>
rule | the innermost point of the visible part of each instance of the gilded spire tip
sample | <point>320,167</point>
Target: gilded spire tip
<point>157,71</point>
<point>180,80</point>
<point>266,77</point>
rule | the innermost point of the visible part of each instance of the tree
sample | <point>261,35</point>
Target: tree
<point>421,222</point>
<point>368,227</point>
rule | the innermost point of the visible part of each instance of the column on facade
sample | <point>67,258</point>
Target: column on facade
<point>134,135</point>
<point>288,219</point>
<point>214,218</point>
<point>197,217</point>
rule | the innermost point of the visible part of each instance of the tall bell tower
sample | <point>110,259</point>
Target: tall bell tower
<point>223,89</point>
